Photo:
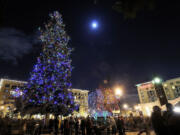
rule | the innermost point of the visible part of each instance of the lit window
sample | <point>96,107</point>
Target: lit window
<point>14,86</point>
<point>7,85</point>
<point>4,97</point>
<point>6,91</point>
<point>12,92</point>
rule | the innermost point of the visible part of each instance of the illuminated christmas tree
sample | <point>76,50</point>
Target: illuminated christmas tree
<point>48,89</point>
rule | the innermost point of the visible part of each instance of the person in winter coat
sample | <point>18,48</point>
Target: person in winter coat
<point>144,126</point>
<point>108,121</point>
<point>76,127</point>
<point>62,127</point>
<point>158,121</point>
<point>120,125</point>
<point>66,127</point>
<point>71,124</point>
<point>172,120</point>
<point>89,126</point>
<point>83,126</point>
<point>113,125</point>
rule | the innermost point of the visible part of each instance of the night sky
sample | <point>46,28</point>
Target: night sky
<point>124,51</point>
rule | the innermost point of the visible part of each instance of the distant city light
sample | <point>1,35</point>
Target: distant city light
<point>125,106</point>
<point>177,109</point>
<point>105,81</point>
<point>148,111</point>
<point>136,107</point>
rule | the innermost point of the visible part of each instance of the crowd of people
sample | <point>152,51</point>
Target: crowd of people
<point>163,123</point>
<point>74,125</point>
<point>90,126</point>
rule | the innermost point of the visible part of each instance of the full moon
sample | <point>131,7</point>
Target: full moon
<point>94,24</point>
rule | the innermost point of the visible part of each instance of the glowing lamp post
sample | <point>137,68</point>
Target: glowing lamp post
<point>157,80</point>
<point>160,90</point>
<point>2,107</point>
<point>118,92</point>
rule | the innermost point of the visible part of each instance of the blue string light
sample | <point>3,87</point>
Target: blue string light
<point>50,78</point>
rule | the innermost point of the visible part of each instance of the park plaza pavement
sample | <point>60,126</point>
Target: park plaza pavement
<point>127,133</point>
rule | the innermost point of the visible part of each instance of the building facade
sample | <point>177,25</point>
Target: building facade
<point>172,88</point>
<point>146,92</point>
<point>81,98</point>
<point>7,88</point>
<point>7,96</point>
<point>148,97</point>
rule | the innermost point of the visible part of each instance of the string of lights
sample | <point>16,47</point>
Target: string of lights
<point>50,79</point>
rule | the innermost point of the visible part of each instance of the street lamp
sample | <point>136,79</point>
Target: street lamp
<point>125,106</point>
<point>118,92</point>
<point>160,91</point>
<point>2,107</point>
<point>157,80</point>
